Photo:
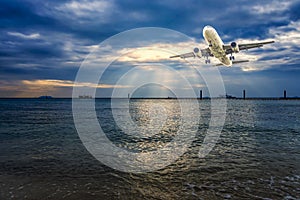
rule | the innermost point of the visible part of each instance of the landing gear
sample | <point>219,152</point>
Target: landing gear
<point>231,57</point>
<point>207,61</point>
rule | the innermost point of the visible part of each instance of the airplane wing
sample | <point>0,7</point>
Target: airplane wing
<point>228,48</point>
<point>234,62</point>
<point>196,53</point>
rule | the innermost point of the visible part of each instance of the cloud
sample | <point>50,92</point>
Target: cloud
<point>86,9</point>
<point>273,7</point>
<point>21,35</point>
<point>288,35</point>
<point>67,83</point>
<point>156,52</point>
<point>39,87</point>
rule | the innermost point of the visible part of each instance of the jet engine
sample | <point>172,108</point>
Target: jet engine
<point>197,52</point>
<point>234,47</point>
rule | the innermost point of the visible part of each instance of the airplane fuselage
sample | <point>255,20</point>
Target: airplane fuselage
<point>216,45</point>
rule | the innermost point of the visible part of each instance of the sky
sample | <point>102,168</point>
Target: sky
<point>44,43</point>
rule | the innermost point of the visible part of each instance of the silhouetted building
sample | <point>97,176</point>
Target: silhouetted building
<point>201,94</point>
<point>284,94</point>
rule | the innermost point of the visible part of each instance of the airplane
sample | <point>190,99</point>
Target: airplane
<point>216,48</point>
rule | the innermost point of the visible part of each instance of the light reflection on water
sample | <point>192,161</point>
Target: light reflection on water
<point>158,130</point>
<point>257,155</point>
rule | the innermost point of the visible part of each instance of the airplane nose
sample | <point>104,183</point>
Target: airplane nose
<point>207,28</point>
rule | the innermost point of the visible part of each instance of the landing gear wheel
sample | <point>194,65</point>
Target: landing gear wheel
<point>207,61</point>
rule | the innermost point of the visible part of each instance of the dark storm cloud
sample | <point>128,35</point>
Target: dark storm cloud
<point>293,11</point>
<point>235,18</point>
<point>32,48</point>
<point>21,15</point>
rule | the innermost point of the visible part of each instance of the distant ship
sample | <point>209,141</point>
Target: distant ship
<point>227,96</point>
<point>230,97</point>
<point>85,97</point>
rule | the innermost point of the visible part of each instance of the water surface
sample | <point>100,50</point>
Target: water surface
<point>257,155</point>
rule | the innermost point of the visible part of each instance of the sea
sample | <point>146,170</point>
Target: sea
<point>257,155</point>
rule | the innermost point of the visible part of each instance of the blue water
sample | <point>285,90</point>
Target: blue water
<point>257,155</point>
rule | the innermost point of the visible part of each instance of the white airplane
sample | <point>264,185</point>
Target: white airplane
<point>217,48</point>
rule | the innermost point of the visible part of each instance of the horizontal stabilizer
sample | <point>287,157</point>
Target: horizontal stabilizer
<point>234,62</point>
<point>239,61</point>
<point>186,55</point>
